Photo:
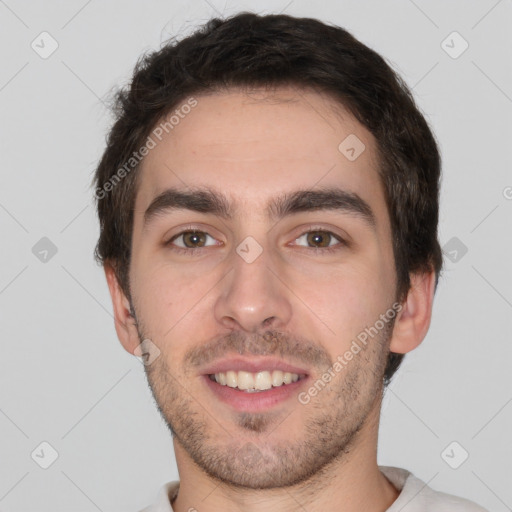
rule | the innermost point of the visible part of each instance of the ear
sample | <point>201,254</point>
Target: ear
<point>413,321</point>
<point>124,322</point>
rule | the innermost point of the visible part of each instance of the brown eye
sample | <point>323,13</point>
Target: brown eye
<point>319,238</point>
<point>190,240</point>
<point>194,239</point>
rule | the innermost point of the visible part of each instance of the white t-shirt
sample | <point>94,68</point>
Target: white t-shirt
<point>415,496</point>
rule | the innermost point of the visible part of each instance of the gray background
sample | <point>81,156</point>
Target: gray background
<point>64,377</point>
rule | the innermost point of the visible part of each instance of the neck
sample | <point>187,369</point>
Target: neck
<point>351,483</point>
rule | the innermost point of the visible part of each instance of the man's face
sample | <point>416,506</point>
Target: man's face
<point>268,292</point>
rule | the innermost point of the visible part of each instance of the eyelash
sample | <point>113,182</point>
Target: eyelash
<point>194,250</point>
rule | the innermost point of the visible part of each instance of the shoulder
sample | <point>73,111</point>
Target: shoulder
<point>417,496</point>
<point>166,494</point>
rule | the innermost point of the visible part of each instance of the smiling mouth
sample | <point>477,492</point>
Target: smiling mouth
<point>255,382</point>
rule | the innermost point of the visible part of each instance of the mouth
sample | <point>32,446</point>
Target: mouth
<point>251,382</point>
<point>255,384</point>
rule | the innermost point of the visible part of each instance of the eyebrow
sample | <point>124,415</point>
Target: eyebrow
<point>210,201</point>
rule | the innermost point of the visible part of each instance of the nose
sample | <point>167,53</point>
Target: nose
<point>253,296</point>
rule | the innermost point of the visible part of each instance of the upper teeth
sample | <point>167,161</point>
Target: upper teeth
<point>260,380</point>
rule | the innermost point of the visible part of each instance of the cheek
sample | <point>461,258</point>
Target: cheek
<point>158,296</point>
<point>171,302</point>
<point>348,299</point>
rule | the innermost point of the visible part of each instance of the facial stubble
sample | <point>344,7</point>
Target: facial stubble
<point>257,452</point>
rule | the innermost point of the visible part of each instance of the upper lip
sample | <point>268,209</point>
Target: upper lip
<point>254,364</point>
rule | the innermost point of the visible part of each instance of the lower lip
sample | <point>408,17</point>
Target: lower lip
<point>257,401</point>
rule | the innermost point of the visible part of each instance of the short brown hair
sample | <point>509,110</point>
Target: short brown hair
<point>250,50</point>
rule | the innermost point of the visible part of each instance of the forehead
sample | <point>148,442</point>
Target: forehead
<point>254,145</point>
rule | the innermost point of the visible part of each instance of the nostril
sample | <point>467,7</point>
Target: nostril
<point>268,321</point>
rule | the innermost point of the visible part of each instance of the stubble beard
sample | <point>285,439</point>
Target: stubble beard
<point>258,453</point>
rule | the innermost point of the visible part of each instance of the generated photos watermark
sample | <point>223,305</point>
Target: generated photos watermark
<point>343,359</point>
<point>165,126</point>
